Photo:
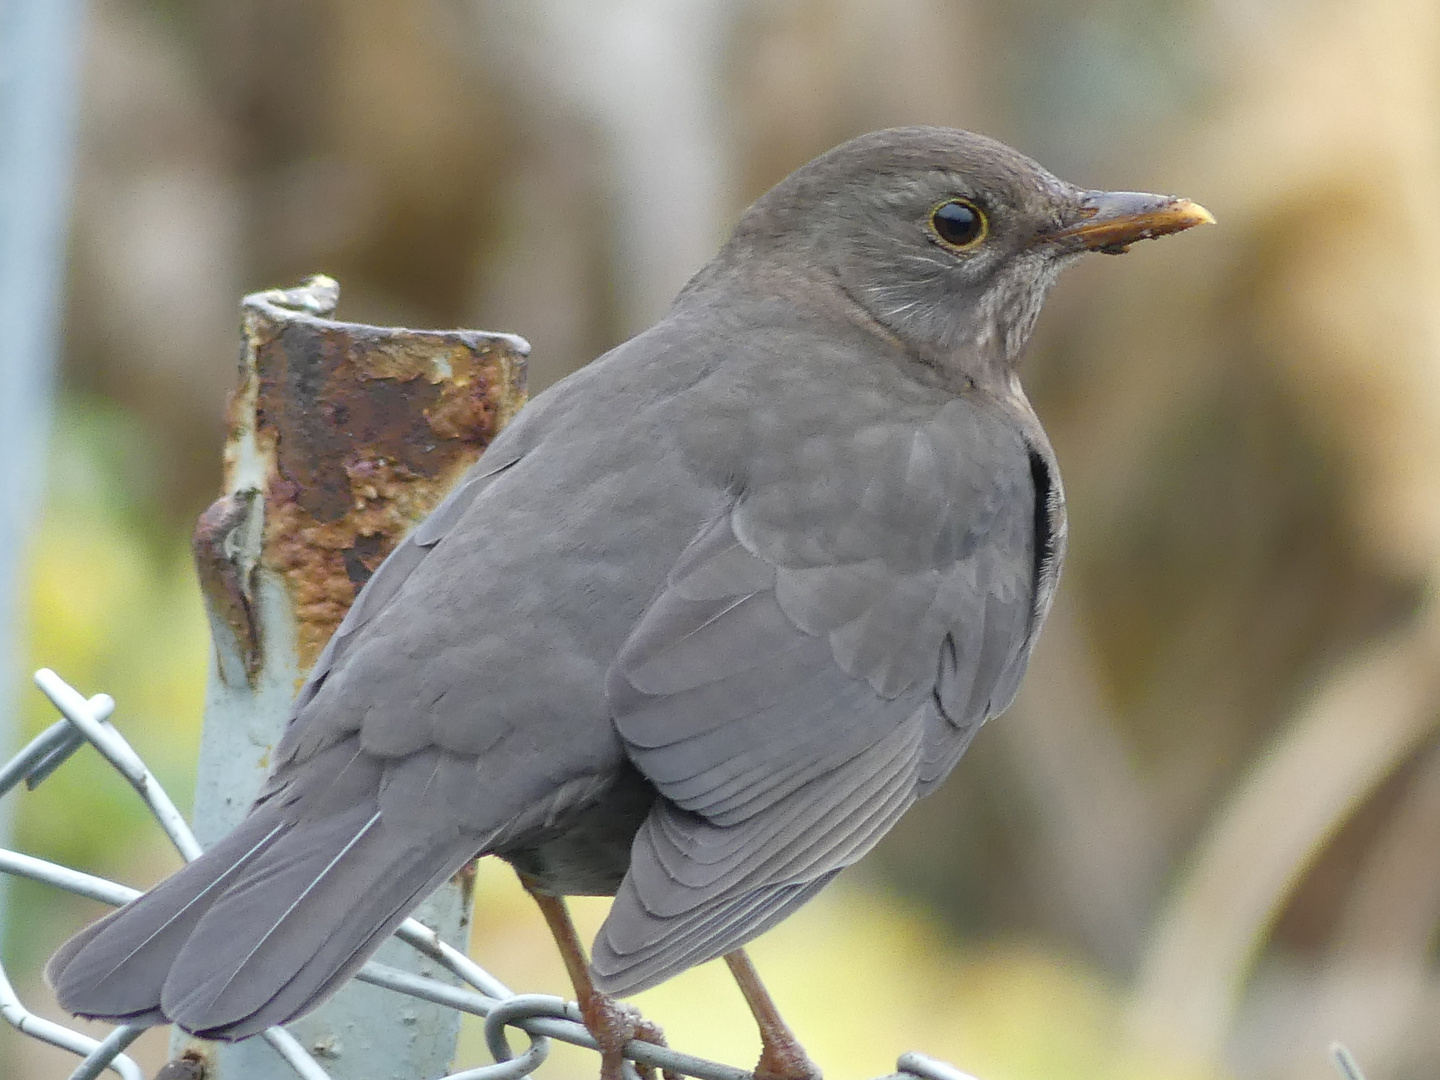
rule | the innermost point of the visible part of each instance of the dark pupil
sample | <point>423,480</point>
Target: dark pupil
<point>957,223</point>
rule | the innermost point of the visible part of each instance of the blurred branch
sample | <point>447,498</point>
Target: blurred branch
<point>1098,838</point>
<point>1364,723</point>
<point>1395,907</point>
<point>1376,986</point>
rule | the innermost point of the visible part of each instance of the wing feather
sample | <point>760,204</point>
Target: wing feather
<point>818,658</point>
<point>697,890</point>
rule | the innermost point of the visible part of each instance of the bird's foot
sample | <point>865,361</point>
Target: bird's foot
<point>785,1059</point>
<point>613,1024</point>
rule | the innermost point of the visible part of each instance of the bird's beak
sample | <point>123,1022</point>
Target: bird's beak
<point>1110,221</point>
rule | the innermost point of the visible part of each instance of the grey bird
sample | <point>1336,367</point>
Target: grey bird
<point>695,631</point>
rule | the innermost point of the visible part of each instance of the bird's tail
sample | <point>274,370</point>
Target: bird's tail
<point>258,930</point>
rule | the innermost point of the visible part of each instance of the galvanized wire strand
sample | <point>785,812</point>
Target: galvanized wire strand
<point>60,754</point>
<point>295,1055</point>
<point>48,873</point>
<point>420,937</point>
<point>541,1017</point>
<point>117,751</point>
<point>513,1069</point>
<point>916,1064</point>
<point>88,718</point>
<point>51,748</point>
<point>519,1007</point>
<point>99,1059</point>
<point>37,1027</point>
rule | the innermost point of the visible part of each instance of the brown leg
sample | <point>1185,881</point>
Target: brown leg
<point>612,1023</point>
<point>781,1055</point>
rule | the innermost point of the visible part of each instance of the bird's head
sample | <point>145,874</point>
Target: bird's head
<point>946,239</point>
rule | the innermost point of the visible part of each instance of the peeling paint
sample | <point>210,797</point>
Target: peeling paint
<point>225,565</point>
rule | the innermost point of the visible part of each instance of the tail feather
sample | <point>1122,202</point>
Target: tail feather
<point>115,968</point>
<point>306,914</point>
<point>345,949</point>
<point>261,928</point>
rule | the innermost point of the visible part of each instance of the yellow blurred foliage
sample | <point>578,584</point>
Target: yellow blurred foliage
<point>114,613</point>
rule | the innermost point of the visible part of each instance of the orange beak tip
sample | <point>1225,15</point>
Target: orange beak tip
<point>1115,220</point>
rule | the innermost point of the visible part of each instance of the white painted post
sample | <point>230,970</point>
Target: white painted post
<point>342,437</point>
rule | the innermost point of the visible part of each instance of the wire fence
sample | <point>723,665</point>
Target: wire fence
<point>539,1017</point>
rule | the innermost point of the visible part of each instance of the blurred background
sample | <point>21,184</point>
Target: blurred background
<point>1206,840</point>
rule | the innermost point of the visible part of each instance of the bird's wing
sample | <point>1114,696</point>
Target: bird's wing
<point>817,653</point>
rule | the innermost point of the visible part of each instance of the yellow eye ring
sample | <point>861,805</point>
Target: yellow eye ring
<point>959,224</point>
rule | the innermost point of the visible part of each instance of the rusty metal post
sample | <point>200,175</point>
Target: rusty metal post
<point>342,437</point>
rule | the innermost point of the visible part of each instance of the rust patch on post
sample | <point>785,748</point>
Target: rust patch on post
<point>193,1064</point>
<point>352,434</point>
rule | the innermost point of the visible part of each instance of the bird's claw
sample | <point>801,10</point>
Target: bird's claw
<point>786,1061</point>
<point>615,1023</point>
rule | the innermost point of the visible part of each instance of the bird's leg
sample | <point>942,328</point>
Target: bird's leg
<point>612,1023</point>
<point>781,1055</point>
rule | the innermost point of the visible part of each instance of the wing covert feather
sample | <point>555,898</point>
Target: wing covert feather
<point>818,657</point>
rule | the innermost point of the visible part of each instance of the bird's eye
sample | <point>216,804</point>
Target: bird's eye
<point>959,223</point>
